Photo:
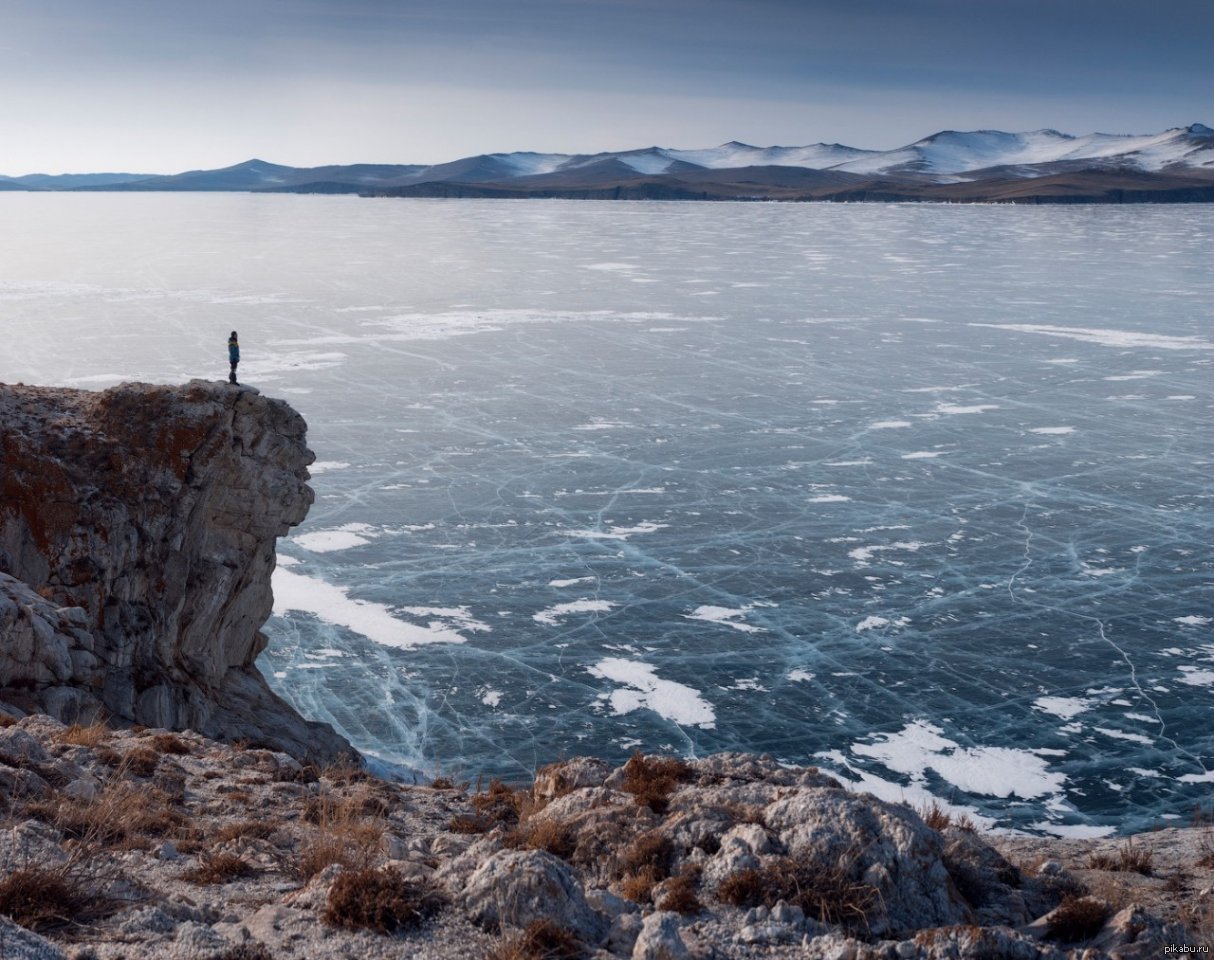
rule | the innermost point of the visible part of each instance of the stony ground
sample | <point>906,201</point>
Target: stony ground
<point>149,844</point>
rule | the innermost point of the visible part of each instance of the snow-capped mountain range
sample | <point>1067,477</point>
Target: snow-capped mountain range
<point>1176,164</point>
<point>948,155</point>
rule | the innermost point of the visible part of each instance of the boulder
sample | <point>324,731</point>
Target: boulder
<point>518,887</point>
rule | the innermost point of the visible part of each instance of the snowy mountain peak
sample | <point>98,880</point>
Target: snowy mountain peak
<point>1199,130</point>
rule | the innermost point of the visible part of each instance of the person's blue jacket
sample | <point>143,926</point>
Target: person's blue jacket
<point>233,351</point>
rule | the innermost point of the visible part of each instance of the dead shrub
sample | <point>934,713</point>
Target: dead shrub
<point>680,894</point>
<point>1205,848</point>
<point>462,823</point>
<point>443,783</point>
<point>171,743</point>
<point>109,756</point>
<point>249,950</point>
<point>244,830</point>
<point>833,894</point>
<point>551,836</point>
<point>380,900</point>
<point>91,736</point>
<point>651,851</point>
<point>46,898</point>
<point>638,887</point>
<point>743,888</point>
<point>643,864</point>
<point>1129,859</point>
<point>217,868</point>
<point>500,804</point>
<point>141,761</point>
<point>935,816</point>
<point>342,834</point>
<point>7,720</point>
<point>651,780</point>
<point>119,816</point>
<point>542,940</point>
<point>1076,919</point>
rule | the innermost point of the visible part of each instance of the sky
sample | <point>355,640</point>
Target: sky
<point>163,86</point>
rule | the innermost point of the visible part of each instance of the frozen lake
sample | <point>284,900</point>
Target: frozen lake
<point>921,494</point>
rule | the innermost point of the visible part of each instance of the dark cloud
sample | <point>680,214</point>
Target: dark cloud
<point>832,69</point>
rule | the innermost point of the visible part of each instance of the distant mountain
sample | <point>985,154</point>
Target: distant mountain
<point>257,175</point>
<point>71,181</point>
<point>1041,166</point>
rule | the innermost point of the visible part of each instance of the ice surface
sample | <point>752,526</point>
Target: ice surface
<point>510,431</point>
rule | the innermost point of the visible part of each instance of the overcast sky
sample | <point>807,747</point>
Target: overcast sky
<point>161,86</point>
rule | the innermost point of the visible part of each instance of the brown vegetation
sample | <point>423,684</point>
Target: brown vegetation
<point>1127,860</point>
<point>651,780</point>
<point>92,736</point>
<point>43,898</point>
<point>380,900</point>
<point>679,894</point>
<point>218,868</point>
<point>1076,919</point>
<point>833,895</point>
<point>643,864</point>
<point>549,835</point>
<point>342,834</point>
<point>542,940</point>
<point>121,815</point>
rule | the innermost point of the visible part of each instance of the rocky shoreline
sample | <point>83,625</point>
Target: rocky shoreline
<point>143,843</point>
<point>205,820</point>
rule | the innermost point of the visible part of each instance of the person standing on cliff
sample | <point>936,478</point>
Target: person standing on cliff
<point>233,356</point>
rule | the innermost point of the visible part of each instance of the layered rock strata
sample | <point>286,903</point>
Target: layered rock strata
<point>137,535</point>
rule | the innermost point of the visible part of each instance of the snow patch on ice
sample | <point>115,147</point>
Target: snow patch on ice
<point>332,604</point>
<point>557,612</point>
<point>1106,337</point>
<point>725,616</point>
<point>643,689</point>
<point>993,771</point>
<point>1065,707</point>
<point>338,538</point>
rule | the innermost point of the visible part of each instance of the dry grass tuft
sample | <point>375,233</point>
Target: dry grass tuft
<point>342,834</point>
<point>380,900</point>
<point>542,940</point>
<point>643,864</point>
<point>1077,919</point>
<point>141,761</point>
<point>651,780</point>
<point>7,720</point>
<point>680,894</point>
<point>549,835</point>
<point>46,898</point>
<point>743,888</point>
<point>833,894</point>
<point>121,816</point>
<point>498,806</point>
<point>92,736</point>
<point>1127,860</point>
<point>249,950</point>
<point>217,868</point>
<point>171,743</point>
<point>244,829</point>
<point>935,816</point>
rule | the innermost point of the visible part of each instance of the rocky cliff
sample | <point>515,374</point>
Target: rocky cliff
<point>137,534</point>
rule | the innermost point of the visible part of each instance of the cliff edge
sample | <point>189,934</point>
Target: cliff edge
<point>137,535</point>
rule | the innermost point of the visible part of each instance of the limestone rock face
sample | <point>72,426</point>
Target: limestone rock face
<point>137,535</point>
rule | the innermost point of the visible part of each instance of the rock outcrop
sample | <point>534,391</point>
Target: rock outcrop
<point>137,534</point>
<point>148,845</point>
